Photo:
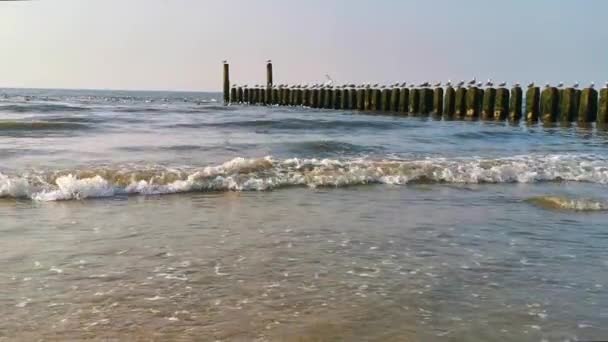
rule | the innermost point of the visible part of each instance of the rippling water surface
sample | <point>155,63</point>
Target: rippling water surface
<point>167,216</point>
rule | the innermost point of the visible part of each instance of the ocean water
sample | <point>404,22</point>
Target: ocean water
<point>168,216</point>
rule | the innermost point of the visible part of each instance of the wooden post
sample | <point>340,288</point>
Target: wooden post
<point>489,104</point>
<point>344,98</point>
<point>568,110</point>
<point>501,106</point>
<point>322,95</point>
<point>549,104</point>
<point>516,103</point>
<point>426,101</point>
<point>368,98</point>
<point>404,100</point>
<point>226,83</point>
<point>480,96</point>
<point>292,96</point>
<point>438,101</point>
<point>314,98</point>
<point>239,95</point>
<point>414,101</point>
<point>588,106</point>
<point>449,107</point>
<point>329,97</point>
<point>376,100</point>
<point>385,100</point>
<point>262,96</point>
<point>532,104</point>
<point>602,115</point>
<point>460,103</point>
<point>361,95</point>
<point>395,96</point>
<point>337,98</point>
<point>306,97</point>
<point>246,95</point>
<point>233,95</point>
<point>352,98</point>
<point>254,95</point>
<point>269,83</point>
<point>286,96</point>
<point>472,102</point>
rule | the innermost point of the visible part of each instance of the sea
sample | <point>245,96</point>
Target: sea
<point>167,216</point>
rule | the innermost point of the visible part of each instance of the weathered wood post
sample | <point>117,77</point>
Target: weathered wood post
<point>480,97</point>
<point>438,101</point>
<point>299,96</point>
<point>516,103</point>
<point>254,95</point>
<point>329,96</point>
<point>292,96</point>
<point>322,96</point>
<point>262,97</point>
<point>395,97</point>
<point>460,103</point>
<point>385,100</point>
<point>361,95</point>
<point>368,98</point>
<point>376,99</point>
<point>352,98</point>
<point>532,104</point>
<point>450,102</point>
<point>226,83</point>
<point>549,105</point>
<point>587,111</point>
<point>337,99</point>
<point>501,106</point>
<point>426,101</point>
<point>306,97</point>
<point>404,100</point>
<point>233,95</point>
<point>314,97</point>
<point>414,101</point>
<point>568,110</point>
<point>239,95</point>
<point>489,104</point>
<point>344,98</point>
<point>246,95</point>
<point>269,82</point>
<point>286,96</point>
<point>472,103</point>
<point>602,115</point>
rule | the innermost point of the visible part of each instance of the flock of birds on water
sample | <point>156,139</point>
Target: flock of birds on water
<point>472,83</point>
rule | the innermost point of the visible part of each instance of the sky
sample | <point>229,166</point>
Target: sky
<point>179,44</point>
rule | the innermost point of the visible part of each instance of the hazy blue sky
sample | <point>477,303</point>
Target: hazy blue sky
<point>179,44</point>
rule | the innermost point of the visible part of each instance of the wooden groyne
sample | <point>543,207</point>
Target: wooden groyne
<point>472,101</point>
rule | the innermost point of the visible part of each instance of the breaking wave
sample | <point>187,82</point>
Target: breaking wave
<point>259,174</point>
<point>39,108</point>
<point>40,125</point>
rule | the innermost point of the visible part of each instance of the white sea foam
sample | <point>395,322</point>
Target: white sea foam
<point>258,174</point>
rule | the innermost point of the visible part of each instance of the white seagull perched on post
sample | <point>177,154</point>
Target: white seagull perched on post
<point>461,83</point>
<point>502,84</point>
<point>547,85</point>
<point>531,84</point>
<point>516,85</point>
<point>560,84</point>
<point>473,81</point>
<point>438,84</point>
<point>448,83</point>
<point>592,85</point>
<point>268,61</point>
<point>225,61</point>
<point>575,85</point>
<point>404,84</point>
<point>489,83</point>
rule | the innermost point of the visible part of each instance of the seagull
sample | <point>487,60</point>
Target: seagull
<point>329,80</point>
<point>225,61</point>
<point>547,85</point>
<point>516,84</point>
<point>502,84</point>
<point>560,84</point>
<point>575,86</point>
<point>438,84</point>
<point>425,84</point>
<point>592,85</point>
<point>489,83</point>
<point>269,61</point>
<point>245,86</point>
<point>531,84</point>
<point>375,85</point>
<point>383,87</point>
<point>461,83</point>
<point>480,84</point>
<point>404,84</point>
<point>473,81</point>
<point>449,83</point>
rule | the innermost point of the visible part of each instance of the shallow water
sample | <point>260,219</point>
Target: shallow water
<point>377,227</point>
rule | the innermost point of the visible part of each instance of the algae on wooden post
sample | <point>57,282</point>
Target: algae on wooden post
<point>404,100</point>
<point>480,96</point>
<point>472,102</point>
<point>587,111</point>
<point>489,104</point>
<point>376,99</point>
<point>515,104</point>
<point>226,83</point>
<point>602,114</point>
<point>501,105</point>
<point>532,104</point>
<point>414,101</point>
<point>549,104</point>
<point>568,111</point>
<point>460,103</point>
<point>395,97</point>
<point>449,105</point>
